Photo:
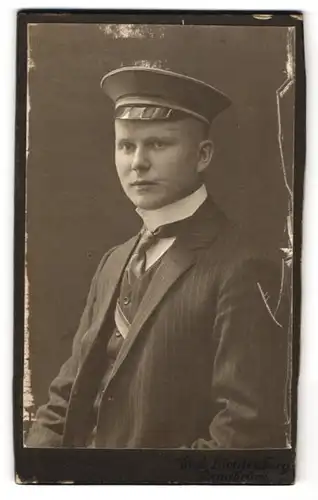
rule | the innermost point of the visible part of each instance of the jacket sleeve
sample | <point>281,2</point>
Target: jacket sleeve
<point>47,430</point>
<point>250,369</point>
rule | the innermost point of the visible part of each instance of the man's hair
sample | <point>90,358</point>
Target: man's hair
<point>202,129</point>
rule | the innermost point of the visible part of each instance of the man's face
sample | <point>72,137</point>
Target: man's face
<point>158,162</point>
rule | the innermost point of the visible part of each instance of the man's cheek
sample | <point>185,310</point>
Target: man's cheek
<point>122,165</point>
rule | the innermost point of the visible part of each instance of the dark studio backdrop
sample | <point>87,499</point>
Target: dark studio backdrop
<point>75,207</point>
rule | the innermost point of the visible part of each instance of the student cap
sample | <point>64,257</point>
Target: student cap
<point>141,93</point>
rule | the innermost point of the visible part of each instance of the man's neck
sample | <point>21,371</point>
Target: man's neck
<point>178,210</point>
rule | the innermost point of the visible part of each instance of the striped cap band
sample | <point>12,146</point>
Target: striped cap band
<point>143,113</point>
<point>147,108</point>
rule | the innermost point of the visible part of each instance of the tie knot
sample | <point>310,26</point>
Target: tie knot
<point>148,238</point>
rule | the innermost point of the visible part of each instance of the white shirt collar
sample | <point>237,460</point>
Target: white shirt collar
<point>178,210</point>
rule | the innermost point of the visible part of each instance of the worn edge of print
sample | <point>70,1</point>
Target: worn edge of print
<point>66,466</point>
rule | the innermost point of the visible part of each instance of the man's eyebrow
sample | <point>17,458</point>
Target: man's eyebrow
<point>124,139</point>
<point>162,137</point>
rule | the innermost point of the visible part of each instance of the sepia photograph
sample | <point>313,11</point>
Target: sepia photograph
<point>159,235</point>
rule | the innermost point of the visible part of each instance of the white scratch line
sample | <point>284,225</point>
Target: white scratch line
<point>290,229</point>
<point>281,286</point>
<point>280,145</point>
<point>267,306</point>
<point>290,65</point>
<point>280,92</point>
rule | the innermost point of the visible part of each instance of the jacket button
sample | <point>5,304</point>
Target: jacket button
<point>126,301</point>
<point>117,333</point>
<point>110,398</point>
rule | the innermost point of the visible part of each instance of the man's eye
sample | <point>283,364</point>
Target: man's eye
<point>128,147</point>
<point>158,144</point>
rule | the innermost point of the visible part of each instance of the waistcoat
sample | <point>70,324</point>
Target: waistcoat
<point>129,299</point>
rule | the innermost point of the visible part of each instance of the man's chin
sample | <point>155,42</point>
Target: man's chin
<point>145,203</point>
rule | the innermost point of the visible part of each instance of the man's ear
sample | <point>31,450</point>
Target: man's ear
<point>206,150</point>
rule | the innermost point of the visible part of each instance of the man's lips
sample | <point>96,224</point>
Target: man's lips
<point>143,183</point>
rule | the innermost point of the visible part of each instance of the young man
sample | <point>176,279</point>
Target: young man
<point>178,345</point>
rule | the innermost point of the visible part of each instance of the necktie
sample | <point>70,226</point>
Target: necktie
<point>137,265</point>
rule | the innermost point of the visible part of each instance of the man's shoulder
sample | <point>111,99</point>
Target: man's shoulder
<point>242,259</point>
<point>237,254</point>
<point>228,238</point>
<point>237,244</point>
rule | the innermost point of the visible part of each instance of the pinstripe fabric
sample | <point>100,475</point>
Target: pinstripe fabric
<point>204,364</point>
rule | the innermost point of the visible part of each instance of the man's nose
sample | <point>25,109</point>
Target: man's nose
<point>140,159</point>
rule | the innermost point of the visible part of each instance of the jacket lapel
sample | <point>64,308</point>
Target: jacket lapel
<point>198,233</point>
<point>174,264</point>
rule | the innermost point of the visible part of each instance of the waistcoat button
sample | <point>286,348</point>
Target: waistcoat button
<point>126,301</point>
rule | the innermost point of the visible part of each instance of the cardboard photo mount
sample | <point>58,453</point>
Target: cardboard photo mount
<point>137,466</point>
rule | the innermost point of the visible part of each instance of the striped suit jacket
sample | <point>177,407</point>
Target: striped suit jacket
<point>205,361</point>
